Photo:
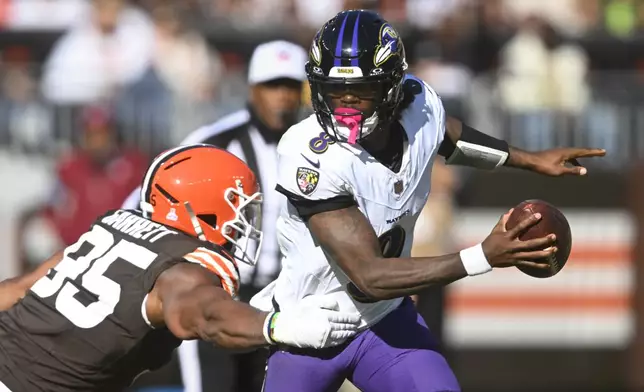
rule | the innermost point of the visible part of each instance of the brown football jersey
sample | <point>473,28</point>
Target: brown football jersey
<point>83,326</point>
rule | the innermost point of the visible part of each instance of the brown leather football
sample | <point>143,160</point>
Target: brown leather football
<point>553,221</point>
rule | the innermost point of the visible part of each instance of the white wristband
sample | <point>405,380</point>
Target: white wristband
<point>474,261</point>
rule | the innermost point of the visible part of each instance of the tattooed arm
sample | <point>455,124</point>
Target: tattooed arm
<point>348,237</point>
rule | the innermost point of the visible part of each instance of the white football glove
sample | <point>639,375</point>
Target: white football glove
<point>315,323</point>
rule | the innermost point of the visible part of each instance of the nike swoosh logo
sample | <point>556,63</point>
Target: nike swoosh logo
<point>314,164</point>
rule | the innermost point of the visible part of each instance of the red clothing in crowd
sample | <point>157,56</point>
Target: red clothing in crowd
<point>88,190</point>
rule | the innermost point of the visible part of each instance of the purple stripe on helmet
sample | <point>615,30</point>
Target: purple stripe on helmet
<point>338,46</point>
<point>354,43</point>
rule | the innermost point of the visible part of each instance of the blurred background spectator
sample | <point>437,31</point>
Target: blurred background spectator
<point>109,46</point>
<point>540,73</point>
<point>95,176</point>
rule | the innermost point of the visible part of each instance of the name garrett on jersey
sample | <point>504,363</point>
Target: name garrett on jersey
<point>137,226</point>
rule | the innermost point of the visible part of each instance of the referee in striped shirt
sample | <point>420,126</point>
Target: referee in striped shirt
<point>275,76</point>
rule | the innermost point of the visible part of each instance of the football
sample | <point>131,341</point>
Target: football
<point>552,221</point>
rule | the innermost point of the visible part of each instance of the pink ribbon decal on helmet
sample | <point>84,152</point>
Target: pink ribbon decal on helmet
<point>351,118</point>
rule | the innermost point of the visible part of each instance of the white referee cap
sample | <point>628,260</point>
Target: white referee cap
<point>277,60</point>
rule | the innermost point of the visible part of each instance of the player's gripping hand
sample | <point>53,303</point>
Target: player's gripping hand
<point>503,248</point>
<point>314,323</point>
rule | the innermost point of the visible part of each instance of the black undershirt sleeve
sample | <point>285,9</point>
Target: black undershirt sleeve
<point>307,208</point>
<point>471,135</point>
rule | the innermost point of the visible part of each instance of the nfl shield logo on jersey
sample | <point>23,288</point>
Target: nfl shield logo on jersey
<point>307,180</point>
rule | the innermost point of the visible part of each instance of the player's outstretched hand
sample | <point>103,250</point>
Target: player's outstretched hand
<point>562,161</point>
<point>503,248</point>
<point>315,322</point>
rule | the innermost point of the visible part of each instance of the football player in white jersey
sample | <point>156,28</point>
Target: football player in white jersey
<point>356,175</point>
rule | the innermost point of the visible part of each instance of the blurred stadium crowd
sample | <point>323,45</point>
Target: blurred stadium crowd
<point>540,72</point>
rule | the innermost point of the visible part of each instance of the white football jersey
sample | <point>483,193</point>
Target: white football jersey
<point>314,167</point>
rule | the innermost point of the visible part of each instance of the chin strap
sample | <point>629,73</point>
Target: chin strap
<point>194,221</point>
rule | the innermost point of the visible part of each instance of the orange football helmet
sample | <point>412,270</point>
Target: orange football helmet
<point>208,193</point>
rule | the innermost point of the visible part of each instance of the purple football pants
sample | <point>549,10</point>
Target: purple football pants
<point>398,354</point>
